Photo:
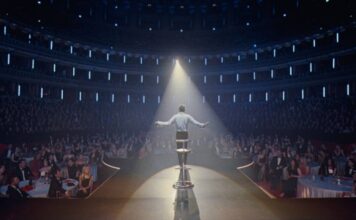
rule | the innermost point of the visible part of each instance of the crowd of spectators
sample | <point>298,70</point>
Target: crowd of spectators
<point>122,131</point>
<point>70,158</point>
<point>327,116</point>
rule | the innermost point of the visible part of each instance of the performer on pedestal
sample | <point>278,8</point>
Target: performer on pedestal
<point>181,121</point>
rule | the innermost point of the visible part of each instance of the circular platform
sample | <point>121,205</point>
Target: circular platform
<point>214,196</point>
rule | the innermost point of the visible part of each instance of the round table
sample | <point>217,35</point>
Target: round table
<point>40,189</point>
<point>314,168</point>
<point>313,187</point>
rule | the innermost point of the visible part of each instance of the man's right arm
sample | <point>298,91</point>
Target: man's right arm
<point>165,123</point>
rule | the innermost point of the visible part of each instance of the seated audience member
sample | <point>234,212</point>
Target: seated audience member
<point>14,191</point>
<point>56,188</point>
<point>276,169</point>
<point>327,168</point>
<point>85,182</point>
<point>350,168</point>
<point>23,172</point>
<point>293,173</point>
<point>35,166</point>
<point>46,168</point>
<point>303,166</point>
<point>3,175</point>
<point>71,171</point>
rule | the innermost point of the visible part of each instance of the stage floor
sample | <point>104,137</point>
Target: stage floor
<point>214,196</point>
<point>142,189</point>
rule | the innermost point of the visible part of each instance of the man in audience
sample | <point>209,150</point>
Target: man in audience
<point>14,191</point>
<point>56,188</point>
<point>278,163</point>
<point>23,172</point>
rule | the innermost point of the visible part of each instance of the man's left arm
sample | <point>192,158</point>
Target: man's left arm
<point>197,123</point>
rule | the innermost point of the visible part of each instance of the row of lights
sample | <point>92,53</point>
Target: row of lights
<point>274,52</point>
<point>272,71</point>
<point>80,98</point>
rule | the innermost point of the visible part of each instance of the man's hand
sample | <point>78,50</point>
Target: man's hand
<point>205,124</point>
<point>157,124</point>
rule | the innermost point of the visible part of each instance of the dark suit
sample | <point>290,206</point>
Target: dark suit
<point>26,172</point>
<point>276,170</point>
<point>55,188</point>
<point>16,193</point>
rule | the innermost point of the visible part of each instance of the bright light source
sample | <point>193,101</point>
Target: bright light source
<point>19,90</point>
<point>333,63</point>
<point>337,37</point>
<point>348,89</point>
<point>324,92</point>
<point>272,73</point>
<point>112,98</point>
<point>96,96</point>
<point>109,76</point>
<point>141,80</point>
<point>283,95</point>
<point>80,96</point>
<point>125,77</point>
<point>33,64</point>
<point>274,52</point>
<point>51,45</point>
<point>302,93</point>
<point>107,57</point>
<point>128,98</point>
<point>73,71</point>
<point>41,93</point>
<point>54,67</point>
<point>62,94</point>
<point>250,97</point>
<point>311,67</point>
<point>266,96</point>
<point>291,71</point>
<point>8,60</point>
<point>89,74</point>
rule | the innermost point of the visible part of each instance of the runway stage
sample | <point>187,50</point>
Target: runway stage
<point>214,196</point>
<point>142,189</point>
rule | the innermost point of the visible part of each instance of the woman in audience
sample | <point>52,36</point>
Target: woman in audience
<point>350,168</point>
<point>3,175</point>
<point>303,166</point>
<point>328,167</point>
<point>85,182</point>
<point>293,173</point>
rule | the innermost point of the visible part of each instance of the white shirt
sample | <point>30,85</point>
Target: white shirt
<point>181,121</point>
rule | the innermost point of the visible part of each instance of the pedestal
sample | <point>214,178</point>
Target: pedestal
<point>184,178</point>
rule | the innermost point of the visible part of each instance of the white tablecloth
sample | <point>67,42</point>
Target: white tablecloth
<point>314,187</point>
<point>40,189</point>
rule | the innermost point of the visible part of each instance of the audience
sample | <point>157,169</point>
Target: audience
<point>77,135</point>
